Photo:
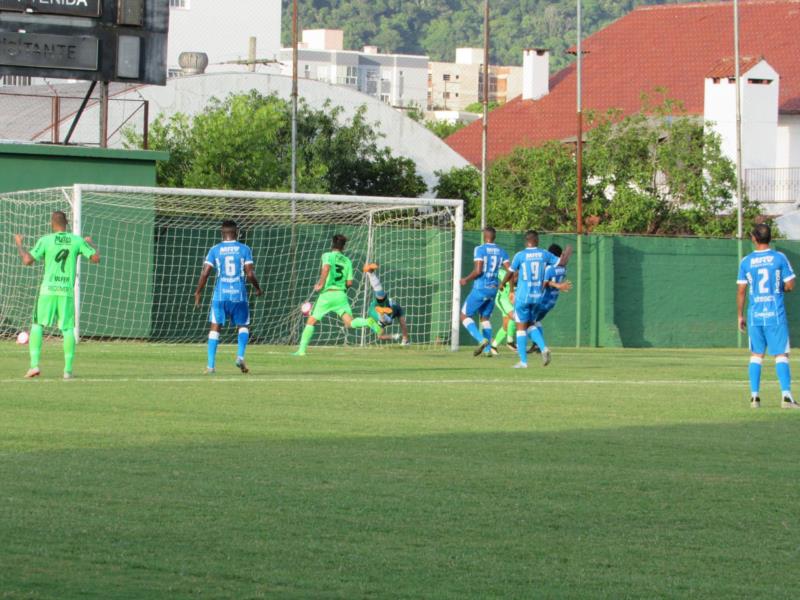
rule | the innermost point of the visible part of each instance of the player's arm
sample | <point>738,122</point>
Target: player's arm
<point>27,258</point>
<point>201,283</point>
<point>741,294</point>
<point>94,258</point>
<point>565,256</point>
<point>323,276</point>
<point>476,272</point>
<point>564,286</point>
<point>788,286</point>
<point>250,274</point>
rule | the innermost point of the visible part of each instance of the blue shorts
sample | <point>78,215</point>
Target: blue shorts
<point>540,313</point>
<point>224,310</point>
<point>480,302</point>
<point>526,312</point>
<point>769,339</point>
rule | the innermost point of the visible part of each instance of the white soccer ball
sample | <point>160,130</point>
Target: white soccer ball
<point>306,308</point>
<point>22,338</point>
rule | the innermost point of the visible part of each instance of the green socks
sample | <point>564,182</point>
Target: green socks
<point>362,322</point>
<point>308,333</point>
<point>512,330</point>
<point>35,344</point>
<point>510,333</point>
<point>69,349</point>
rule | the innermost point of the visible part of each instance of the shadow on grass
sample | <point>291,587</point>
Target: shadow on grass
<point>688,510</point>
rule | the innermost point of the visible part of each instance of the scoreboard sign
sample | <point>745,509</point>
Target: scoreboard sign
<point>100,40</point>
<point>77,8</point>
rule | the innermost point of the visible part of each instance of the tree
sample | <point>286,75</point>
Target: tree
<point>444,129</point>
<point>244,142</point>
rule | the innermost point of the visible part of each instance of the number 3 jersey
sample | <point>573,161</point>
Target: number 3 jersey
<point>765,272</point>
<point>229,259</point>
<point>341,271</point>
<point>60,252</point>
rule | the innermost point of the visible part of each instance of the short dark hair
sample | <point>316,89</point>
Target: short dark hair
<point>532,237</point>
<point>555,249</point>
<point>59,218</point>
<point>230,226</point>
<point>491,231</point>
<point>762,233</point>
<point>338,242</point>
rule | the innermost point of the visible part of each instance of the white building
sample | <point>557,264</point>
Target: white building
<point>222,30</point>
<point>399,80</point>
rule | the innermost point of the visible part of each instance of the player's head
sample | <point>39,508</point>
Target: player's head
<point>58,221</point>
<point>761,234</point>
<point>338,242</point>
<point>532,238</point>
<point>555,250</point>
<point>230,231</point>
<point>489,234</point>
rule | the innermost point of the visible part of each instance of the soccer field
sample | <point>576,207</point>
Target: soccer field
<point>386,473</point>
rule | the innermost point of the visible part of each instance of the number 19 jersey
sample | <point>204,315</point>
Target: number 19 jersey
<point>229,259</point>
<point>765,272</point>
<point>531,264</point>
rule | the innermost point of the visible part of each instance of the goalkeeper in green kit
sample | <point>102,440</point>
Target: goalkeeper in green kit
<point>505,302</point>
<point>55,306</point>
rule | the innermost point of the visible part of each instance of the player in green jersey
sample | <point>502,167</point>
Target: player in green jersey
<point>505,302</point>
<point>335,278</point>
<point>55,306</point>
<point>384,309</point>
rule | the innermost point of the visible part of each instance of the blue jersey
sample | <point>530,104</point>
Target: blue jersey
<point>229,259</point>
<point>550,295</point>
<point>531,265</point>
<point>492,257</point>
<point>765,272</point>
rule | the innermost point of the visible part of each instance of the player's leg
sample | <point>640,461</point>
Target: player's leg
<point>778,345</point>
<point>536,335</point>
<point>374,280</point>
<point>44,315</point>
<point>308,333</point>
<point>523,315</point>
<point>470,307</point>
<point>502,334</point>
<point>216,319</point>
<point>758,346</point>
<point>486,327</point>
<point>66,323</point>
<point>241,318</point>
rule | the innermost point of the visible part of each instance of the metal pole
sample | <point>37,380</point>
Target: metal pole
<point>80,112</point>
<point>104,114</point>
<point>56,118</point>
<point>737,74</point>
<point>485,131</point>
<point>455,309</point>
<point>251,55</point>
<point>146,125</point>
<point>77,209</point>
<point>579,180</point>
<point>294,96</point>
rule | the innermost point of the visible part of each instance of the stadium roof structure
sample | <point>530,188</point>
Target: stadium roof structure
<point>669,47</point>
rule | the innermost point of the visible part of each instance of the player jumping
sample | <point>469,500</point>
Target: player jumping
<point>335,278</point>
<point>232,262</point>
<point>56,303</point>
<point>769,275</point>
<point>384,309</point>
<point>528,269</point>
<point>488,258</point>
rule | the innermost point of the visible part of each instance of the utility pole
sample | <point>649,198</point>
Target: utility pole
<point>294,96</point>
<point>485,133</point>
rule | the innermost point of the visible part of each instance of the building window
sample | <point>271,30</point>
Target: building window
<point>307,71</point>
<point>715,80</point>
<point>446,77</point>
<point>731,79</point>
<point>16,80</point>
<point>457,76</point>
<point>759,81</point>
<point>184,4</point>
<point>446,95</point>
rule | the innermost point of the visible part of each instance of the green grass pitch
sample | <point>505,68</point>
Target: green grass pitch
<point>395,473</point>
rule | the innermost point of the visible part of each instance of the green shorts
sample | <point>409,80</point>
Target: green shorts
<point>332,301</point>
<point>55,310</point>
<point>504,304</point>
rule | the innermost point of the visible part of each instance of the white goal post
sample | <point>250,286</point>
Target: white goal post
<point>153,242</point>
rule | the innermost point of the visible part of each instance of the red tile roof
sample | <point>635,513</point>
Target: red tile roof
<point>725,67</point>
<point>666,46</point>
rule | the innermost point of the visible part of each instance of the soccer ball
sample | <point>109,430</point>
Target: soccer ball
<point>22,338</point>
<point>306,308</point>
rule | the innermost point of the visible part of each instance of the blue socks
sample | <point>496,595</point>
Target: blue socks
<point>244,336</point>
<point>469,324</point>
<point>784,375</point>
<point>522,346</point>
<point>535,333</point>
<point>487,333</point>
<point>755,375</point>
<point>213,342</point>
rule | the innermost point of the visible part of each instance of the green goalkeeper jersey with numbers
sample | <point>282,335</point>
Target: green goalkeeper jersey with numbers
<point>60,252</point>
<point>341,271</point>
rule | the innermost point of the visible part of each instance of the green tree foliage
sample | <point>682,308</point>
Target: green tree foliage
<point>244,142</point>
<point>444,128</point>
<point>477,107</point>
<point>654,172</point>
<point>438,27</point>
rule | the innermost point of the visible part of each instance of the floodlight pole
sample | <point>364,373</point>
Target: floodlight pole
<point>294,95</point>
<point>579,177</point>
<point>739,191</point>
<point>485,129</point>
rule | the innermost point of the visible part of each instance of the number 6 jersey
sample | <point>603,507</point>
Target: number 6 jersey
<point>60,251</point>
<point>229,258</point>
<point>765,272</point>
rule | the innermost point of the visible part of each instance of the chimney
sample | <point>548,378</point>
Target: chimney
<point>535,73</point>
<point>370,50</point>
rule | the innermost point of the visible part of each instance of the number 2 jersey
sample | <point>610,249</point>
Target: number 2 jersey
<point>60,252</point>
<point>229,259</point>
<point>765,272</point>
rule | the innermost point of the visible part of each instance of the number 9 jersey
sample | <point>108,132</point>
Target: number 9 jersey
<point>229,259</point>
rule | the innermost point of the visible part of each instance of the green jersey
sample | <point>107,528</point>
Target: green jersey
<point>506,291</point>
<point>60,252</point>
<point>341,271</point>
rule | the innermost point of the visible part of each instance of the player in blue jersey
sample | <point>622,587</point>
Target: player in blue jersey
<point>553,274</point>
<point>489,258</point>
<point>527,273</point>
<point>769,275</point>
<point>232,262</point>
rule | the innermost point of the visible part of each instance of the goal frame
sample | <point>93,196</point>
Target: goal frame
<point>396,202</point>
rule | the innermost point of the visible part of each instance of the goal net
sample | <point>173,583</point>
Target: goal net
<point>153,242</point>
